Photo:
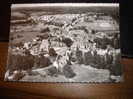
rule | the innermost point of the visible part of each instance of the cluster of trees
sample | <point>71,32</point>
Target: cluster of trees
<point>19,62</point>
<point>80,28</point>
<point>103,42</point>
<point>108,61</point>
<point>20,44</point>
<point>55,23</point>
<point>28,61</point>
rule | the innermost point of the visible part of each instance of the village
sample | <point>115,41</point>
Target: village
<point>65,46</point>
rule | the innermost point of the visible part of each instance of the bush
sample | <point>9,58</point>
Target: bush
<point>52,71</point>
<point>68,72</point>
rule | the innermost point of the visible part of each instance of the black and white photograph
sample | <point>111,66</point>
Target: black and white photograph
<point>65,42</point>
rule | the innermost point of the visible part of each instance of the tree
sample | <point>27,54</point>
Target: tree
<point>79,56</point>
<point>67,41</point>
<point>116,67</point>
<point>52,52</point>
<point>45,30</point>
<point>42,61</point>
